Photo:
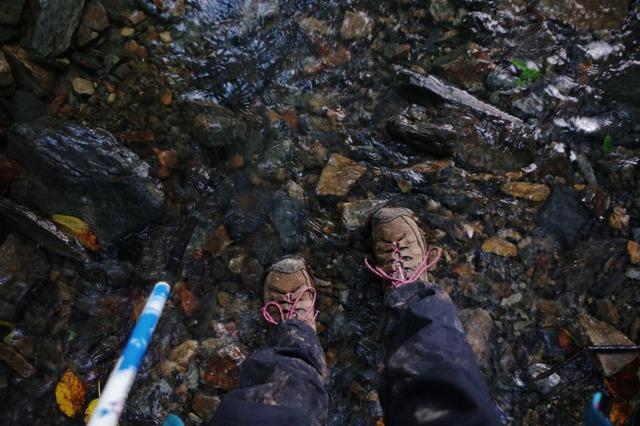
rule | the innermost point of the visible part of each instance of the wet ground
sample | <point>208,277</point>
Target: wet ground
<point>281,126</point>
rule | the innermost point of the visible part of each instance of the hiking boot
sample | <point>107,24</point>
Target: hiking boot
<point>400,247</point>
<point>289,292</point>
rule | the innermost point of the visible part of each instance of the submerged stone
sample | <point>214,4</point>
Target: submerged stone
<point>355,25</point>
<point>529,191</point>
<point>562,216</point>
<point>11,11</point>
<point>587,14</point>
<point>478,327</point>
<point>52,26</point>
<point>86,173</point>
<point>339,175</point>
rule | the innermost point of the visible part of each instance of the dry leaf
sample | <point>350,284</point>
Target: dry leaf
<point>90,408</point>
<point>79,229</point>
<point>70,394</point>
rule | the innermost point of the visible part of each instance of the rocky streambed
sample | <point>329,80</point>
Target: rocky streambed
<point>508,126</point>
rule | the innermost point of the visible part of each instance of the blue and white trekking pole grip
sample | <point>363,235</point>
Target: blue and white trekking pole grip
<point>121,379</point>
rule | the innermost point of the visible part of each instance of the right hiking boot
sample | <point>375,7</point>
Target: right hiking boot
<point>400,247</point>
<point>289,292</point>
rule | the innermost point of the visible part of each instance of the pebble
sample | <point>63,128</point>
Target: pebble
<point>633,248</point>
<point>356,25</point>
<point>528,191</point>
<point>546,385</point>
<point>619,219</point>
<point>478,325</point>
<point>500,247</point>
<point>356,214</point>
<point>165,36</point>
<point>339,175</point>
<point>205,405</point>
<point>442,10</point>
<point>127,32</point>
<point>83,86</point>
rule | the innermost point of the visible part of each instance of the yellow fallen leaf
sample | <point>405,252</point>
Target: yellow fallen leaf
<point>89,411</point>
<point>70,394</point>
<point>77,228</point>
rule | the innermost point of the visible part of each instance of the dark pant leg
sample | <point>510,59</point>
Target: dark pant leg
<point>279,385</point>
<point>431,376</point>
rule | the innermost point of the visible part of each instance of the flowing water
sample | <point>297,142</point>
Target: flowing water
<point>264,92</point>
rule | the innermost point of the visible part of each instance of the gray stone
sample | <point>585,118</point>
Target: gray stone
<point>546,385</point>
<point>85,173</point>
<point>562,216</point>
<point>287,219</point>
<point>52,26</point>
<point>356,214</point>
<point>11,11</point>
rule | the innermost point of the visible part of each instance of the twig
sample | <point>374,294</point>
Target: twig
<point>601,349</point>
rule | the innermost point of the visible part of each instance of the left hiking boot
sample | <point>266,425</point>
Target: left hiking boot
<point>289,292</point>
<point>400,247</point>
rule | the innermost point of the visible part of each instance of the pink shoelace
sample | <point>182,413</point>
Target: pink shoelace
<point>292,304</point>
<point>398,277</point>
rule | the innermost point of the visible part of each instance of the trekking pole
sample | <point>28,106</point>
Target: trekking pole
<point>121,379</point>
<point>116,391</point>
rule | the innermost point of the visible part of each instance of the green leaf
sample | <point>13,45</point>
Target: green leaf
<point>527,74</point>
<point>72,335</point>
<point>607,144</point>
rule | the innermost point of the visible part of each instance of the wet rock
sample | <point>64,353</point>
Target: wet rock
<point>41,231</point>
<point>223,357</point>
<point>633,249</point>
<point>478,326</point>
<point>356,214</point>
<point>620,83</point>
<point>601,333</point>
<point>16,361</point>
<point>52,25</point>
<point>21,267</point>
<point>11,11</point>
<point>587,14</point>
<point>356,25</point>
<point>179,358</point>
<point>28,73</point>
<point>562,216</point>
<point>275,157</point>
<point>531,106</point>
<point>466,66</point>
<point>247,212</point>
<point>339,175</point>
<point>219,128</point>
<point>85,173</point>
<point>420,88</point>
<point>312,26</point>
<point>204,405</point>
<point>546,385</point>
<point>499,246</point>
<point>619,219</point>
<point>6,78</point>
<point>287,219</point>
<point>94,20</point>
<point>83,86</point>
<point>442,11</point>
<point>437,139</point>
<point>528,191</point>
<point>633,273</point>
<point>498,79</point>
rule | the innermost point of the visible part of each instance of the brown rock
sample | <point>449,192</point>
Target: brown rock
<point>28,73</point>
<point>339,175</point>
<point>95,16</point>
<point>218,243</point>
<point>478,326</point>
<point>312,26</point>
<point>549,307</point>
<point>587,14</point>
<point>16,361</point>
<point>135,17</point>
<point>83,86</point>
<point>528,191</point>
<point>356,25</point>
<point>165,36</point>
<point>619,219</point>
<point>500,247</point>
<point>223,359</point>
<point>601,333</point>
<point>179,358</point>
<point>633,248</point>
<point>204,405</point>
<point>467,66</point>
